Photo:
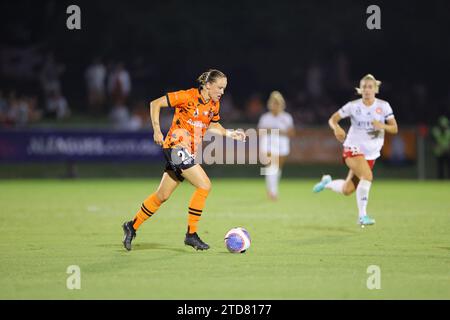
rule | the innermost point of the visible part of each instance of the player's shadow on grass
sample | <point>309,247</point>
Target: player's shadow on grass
<point>155,246</point>
<point>145,246</point>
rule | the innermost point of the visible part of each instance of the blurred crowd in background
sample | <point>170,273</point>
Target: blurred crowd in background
<point>116,92</point>
<point>127,54</point>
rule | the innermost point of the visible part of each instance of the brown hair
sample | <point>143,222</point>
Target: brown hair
<point>210,76</point>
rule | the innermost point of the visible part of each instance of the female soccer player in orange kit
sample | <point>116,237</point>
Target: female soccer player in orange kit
<point>196,110</point>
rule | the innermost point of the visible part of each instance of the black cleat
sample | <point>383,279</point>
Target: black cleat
<point>128,234</point>
<point>195,242</point>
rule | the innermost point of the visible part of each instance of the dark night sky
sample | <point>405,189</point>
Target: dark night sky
<point>261,45</point>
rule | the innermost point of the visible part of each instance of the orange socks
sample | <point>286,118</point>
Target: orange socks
<point>195,208</point>
<point>148,208</point>
<point>152,204</point>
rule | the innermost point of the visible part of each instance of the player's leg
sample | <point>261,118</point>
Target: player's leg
<point>200,180</point>
<point>350,183</point>
<point>280,151</point>
<point>266,155</point>
<point>341,186</point>
<point>150,205</point>
<point>272,175</point>
<point>281,163</point>
<point>276,151</point>
<point>361,169</point>
<point>345,187</point>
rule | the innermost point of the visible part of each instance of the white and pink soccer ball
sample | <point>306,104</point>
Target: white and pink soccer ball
<point>237,240</point>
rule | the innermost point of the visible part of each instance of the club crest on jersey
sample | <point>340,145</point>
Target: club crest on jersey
<point>378,110</point>
<point>358,111</point>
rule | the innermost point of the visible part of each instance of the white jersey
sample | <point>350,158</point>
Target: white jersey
<point>283,121</point>
<point>362,134</point>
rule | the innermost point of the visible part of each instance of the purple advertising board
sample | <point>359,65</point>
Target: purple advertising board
<point>77,145</point>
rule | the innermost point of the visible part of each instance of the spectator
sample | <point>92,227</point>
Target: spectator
<point>140,117</point>
<point>119,116</point>
<point>95,81</point>
<point>441,134</point>
<point>57,106</point>
<point>16,112</point>
<point>119,84</point>
<point>50,74</point>
<point>135,122</point>
<point>34,113</point>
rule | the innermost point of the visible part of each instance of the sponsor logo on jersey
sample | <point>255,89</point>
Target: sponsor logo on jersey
<point>197,124</point>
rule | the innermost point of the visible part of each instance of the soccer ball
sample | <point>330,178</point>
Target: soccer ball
<point>237,240</point>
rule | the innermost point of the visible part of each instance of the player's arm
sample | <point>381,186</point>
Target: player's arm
<point>290,131</point>
<point>390,126</point>
<point>155,108</point>
<point>333,122</point>
<point>217,128</point>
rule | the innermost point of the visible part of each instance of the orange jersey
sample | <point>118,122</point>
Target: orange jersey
<point>191,119</point>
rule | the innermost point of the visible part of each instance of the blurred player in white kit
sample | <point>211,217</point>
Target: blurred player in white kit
<point>275,144</point>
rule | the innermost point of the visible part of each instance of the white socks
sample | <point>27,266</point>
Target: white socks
<point>362,193</point>
<point>362,196</point>
<point>336,185</point>
<point>272,181</point>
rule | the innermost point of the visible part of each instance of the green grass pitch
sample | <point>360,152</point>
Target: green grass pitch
<point>305,246</point>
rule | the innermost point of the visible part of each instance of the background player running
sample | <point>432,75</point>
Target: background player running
<point>370,119</point>
<point>276,150</point>
<point>196,110</point>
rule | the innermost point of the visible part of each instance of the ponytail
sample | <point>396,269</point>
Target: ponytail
<point>210,76</point>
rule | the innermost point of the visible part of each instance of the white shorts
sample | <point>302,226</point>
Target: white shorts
<point>278,147</point>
